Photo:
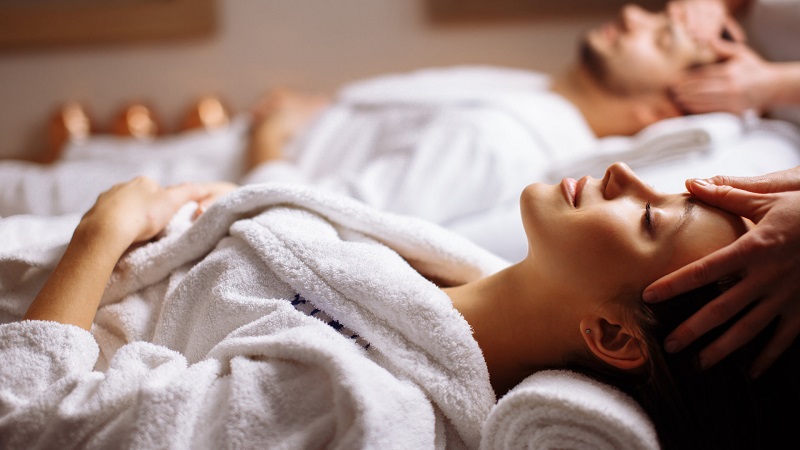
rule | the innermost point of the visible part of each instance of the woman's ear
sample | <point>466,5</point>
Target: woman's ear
<point>612,342</point>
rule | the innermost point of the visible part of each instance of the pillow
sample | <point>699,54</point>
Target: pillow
<point>558,409</point>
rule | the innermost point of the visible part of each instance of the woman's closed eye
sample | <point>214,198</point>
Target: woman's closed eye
<point>648,219</point>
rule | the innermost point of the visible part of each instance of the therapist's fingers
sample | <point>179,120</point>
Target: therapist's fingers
<point>713,314</point>
<point>707,90</point>
<point>701,103</point>
<point>710,268</point>
<point>725,49</point>
<point>742,331</point>
<point>785,180</point>
<point>735,30</point>
<point>736,201</point>
<point>699,90</point>
<point>778,304</point>
<point>726,261</point>
<point>784,337</point>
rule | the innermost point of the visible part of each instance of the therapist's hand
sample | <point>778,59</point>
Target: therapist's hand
<point>704,19</point>
<point>767,258</point>
<point>742,81</point>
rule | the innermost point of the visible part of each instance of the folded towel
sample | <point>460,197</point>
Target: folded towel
<point>675,139</point>
<point>565,410</point>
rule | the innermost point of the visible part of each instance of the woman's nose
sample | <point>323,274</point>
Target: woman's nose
<point>621,180</point>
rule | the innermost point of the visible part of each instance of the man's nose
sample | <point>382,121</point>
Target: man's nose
<point>633,17</point>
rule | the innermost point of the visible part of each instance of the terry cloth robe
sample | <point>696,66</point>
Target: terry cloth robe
<point>197,343</point>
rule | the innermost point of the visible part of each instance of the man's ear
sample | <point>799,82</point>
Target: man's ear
<point>612,342</point>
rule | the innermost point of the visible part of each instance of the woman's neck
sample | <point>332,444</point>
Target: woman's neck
<point>516,326</point>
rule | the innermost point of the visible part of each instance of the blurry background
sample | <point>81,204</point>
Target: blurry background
<point>167,53</point>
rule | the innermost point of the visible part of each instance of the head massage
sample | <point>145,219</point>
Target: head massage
<point>594,245</point>
<point>642,51</point>
<point>626,68</point>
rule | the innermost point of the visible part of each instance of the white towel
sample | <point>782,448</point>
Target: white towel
<point>564,410</point>
<point>675,139</point>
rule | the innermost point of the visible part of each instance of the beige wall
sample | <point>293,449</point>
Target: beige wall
<point>308,44</point>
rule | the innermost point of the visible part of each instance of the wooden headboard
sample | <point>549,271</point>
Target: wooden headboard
<point>44,23</point>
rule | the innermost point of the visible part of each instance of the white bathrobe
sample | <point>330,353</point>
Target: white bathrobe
<point>196,343</point>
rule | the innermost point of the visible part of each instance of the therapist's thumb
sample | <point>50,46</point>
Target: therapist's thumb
<point>725,49</point>
<point>736,201</point>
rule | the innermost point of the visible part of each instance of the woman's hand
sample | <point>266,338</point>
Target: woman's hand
<point>139,209</point>
<point>213,192</point>
<point>767,258</point>
<point>125,214</point>
<point>741,82</point>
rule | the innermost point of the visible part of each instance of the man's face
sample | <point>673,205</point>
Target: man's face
<point>641,51</point>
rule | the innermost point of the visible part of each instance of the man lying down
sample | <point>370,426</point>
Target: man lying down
<point>453,145</point>
<point>285,317</point>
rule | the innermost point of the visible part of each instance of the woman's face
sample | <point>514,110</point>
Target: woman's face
<point>595,236</point>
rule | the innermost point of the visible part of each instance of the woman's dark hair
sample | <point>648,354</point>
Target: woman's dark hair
<point>720,407</point>
<point>694,408</point>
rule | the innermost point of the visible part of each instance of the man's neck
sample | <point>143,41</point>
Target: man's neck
<point>607,113</point>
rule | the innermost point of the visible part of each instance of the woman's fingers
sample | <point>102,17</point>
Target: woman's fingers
<point>213,192</point>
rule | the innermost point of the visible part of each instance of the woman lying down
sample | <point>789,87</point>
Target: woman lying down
<point>283,317</point>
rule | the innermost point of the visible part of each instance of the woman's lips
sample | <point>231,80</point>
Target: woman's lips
<point>579,189</point>
<point>568,188</point>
